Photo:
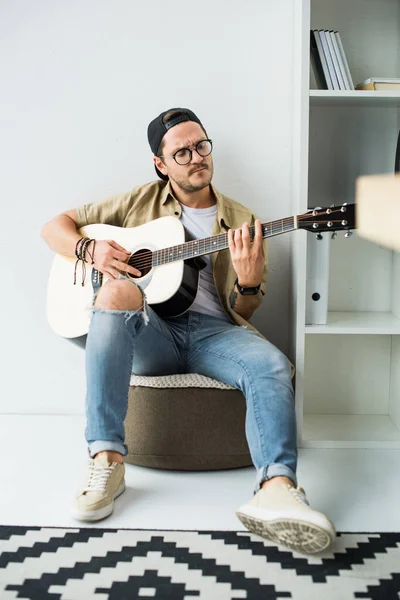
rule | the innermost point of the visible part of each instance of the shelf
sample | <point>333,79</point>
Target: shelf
<point>354,98</point>
<point>384,323</point>
<point>349,431</point>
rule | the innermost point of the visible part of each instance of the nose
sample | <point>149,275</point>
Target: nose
<point>196,158</point>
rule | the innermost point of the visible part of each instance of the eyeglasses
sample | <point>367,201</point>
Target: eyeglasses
<point>184,155</point>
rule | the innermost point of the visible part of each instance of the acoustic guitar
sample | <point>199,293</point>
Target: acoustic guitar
<point>168,262</point>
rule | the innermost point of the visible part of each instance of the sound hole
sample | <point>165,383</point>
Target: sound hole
<point>141,260</point>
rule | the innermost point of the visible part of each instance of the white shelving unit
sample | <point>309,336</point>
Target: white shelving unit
<point>353,98</point>
<point>357,323</point>
<point>348,370</point>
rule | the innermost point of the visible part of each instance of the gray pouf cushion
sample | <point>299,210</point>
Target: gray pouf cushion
<point>185,422</point>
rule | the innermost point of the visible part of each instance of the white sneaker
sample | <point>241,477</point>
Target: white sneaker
<point>281,513</point>
<point>105,482</point>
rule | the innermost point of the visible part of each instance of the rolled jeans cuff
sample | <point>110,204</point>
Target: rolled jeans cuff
<point>104,445</point>
<point>274,470</point>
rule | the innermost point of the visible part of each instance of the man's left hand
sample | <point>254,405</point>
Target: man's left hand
<point>248,257</point>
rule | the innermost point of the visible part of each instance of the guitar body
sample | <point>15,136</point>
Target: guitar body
<point>170,288</point>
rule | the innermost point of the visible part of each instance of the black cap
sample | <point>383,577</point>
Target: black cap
<point>157,129</point>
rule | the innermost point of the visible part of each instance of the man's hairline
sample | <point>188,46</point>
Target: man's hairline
<point>160,148</point>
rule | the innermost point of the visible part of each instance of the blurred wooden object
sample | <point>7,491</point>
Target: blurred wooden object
<point>378,209</point>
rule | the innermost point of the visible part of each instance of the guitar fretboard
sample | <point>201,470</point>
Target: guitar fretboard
<point>214,243</point>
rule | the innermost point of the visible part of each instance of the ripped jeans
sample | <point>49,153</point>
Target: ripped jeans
<point>123,342</point>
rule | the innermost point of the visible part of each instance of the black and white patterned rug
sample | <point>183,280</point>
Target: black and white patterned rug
<point>43,563</point>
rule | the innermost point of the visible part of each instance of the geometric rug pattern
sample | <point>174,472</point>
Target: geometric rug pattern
<point>41,563</point>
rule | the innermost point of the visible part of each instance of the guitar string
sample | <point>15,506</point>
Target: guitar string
<point>141,263</point>
<point>148,262</point>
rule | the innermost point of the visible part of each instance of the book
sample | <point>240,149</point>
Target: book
<point>342,69</point>
<point>380,84</point>
<point>331,68</point>
<point>344,59</point>
<point>335,61</point>
<point>318,62</point>
<point>382,80</point>
<point>328,60</point>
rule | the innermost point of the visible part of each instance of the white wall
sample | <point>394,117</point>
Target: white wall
<point>80,82</point>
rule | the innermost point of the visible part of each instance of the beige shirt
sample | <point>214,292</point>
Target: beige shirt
<point>154,200</point>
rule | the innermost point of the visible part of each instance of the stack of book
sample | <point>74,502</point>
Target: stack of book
<point>380,83</point>
<point>329,61</point>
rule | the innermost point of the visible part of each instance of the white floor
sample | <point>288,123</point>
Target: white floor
<point>43,460</point>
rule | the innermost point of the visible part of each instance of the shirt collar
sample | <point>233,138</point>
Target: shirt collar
<point>167,195</point>
<point>223,219</point>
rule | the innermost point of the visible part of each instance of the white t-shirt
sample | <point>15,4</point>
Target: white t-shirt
<point>199,223</point>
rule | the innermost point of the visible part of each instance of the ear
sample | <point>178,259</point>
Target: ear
<point>160,165</point>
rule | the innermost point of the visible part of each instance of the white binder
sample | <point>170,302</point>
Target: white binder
<point>317,278</point>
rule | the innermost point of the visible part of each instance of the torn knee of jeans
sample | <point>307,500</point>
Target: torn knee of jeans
<point>143,310</point>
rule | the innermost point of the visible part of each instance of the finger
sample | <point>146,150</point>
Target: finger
<point>114,244</point>
<point>238,238</point>
<point>124,267</point>
<point>231,239</point>
<point>246,235</point>
<point>120,256</point>
<point>258,229</point>
<point>258,234</point>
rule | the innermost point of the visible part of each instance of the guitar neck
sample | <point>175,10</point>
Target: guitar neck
<point>215,243</point>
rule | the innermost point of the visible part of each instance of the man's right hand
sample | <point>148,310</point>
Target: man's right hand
<point>110,258</point>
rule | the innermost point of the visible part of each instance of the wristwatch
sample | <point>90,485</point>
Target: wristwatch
<point>247,291</point>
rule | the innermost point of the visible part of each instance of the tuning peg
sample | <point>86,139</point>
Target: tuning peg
<point>348,234</point>
<point>334,235</point>
<point>319,236</point>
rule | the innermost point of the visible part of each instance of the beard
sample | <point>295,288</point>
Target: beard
<point>204,179</point>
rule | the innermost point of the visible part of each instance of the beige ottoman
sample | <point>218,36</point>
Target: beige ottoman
<point>185,422</point>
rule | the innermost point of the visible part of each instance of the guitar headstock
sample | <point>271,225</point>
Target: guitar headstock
<point>334,218</point>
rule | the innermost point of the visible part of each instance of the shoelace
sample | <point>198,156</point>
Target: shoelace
<point>98,477</point>
<point>299,494</point>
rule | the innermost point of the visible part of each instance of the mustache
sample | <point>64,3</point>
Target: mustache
<point>205,166</point>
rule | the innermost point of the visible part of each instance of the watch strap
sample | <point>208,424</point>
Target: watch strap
<point>247,291</point>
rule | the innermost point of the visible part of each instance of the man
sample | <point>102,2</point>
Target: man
<point>126,335</point>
